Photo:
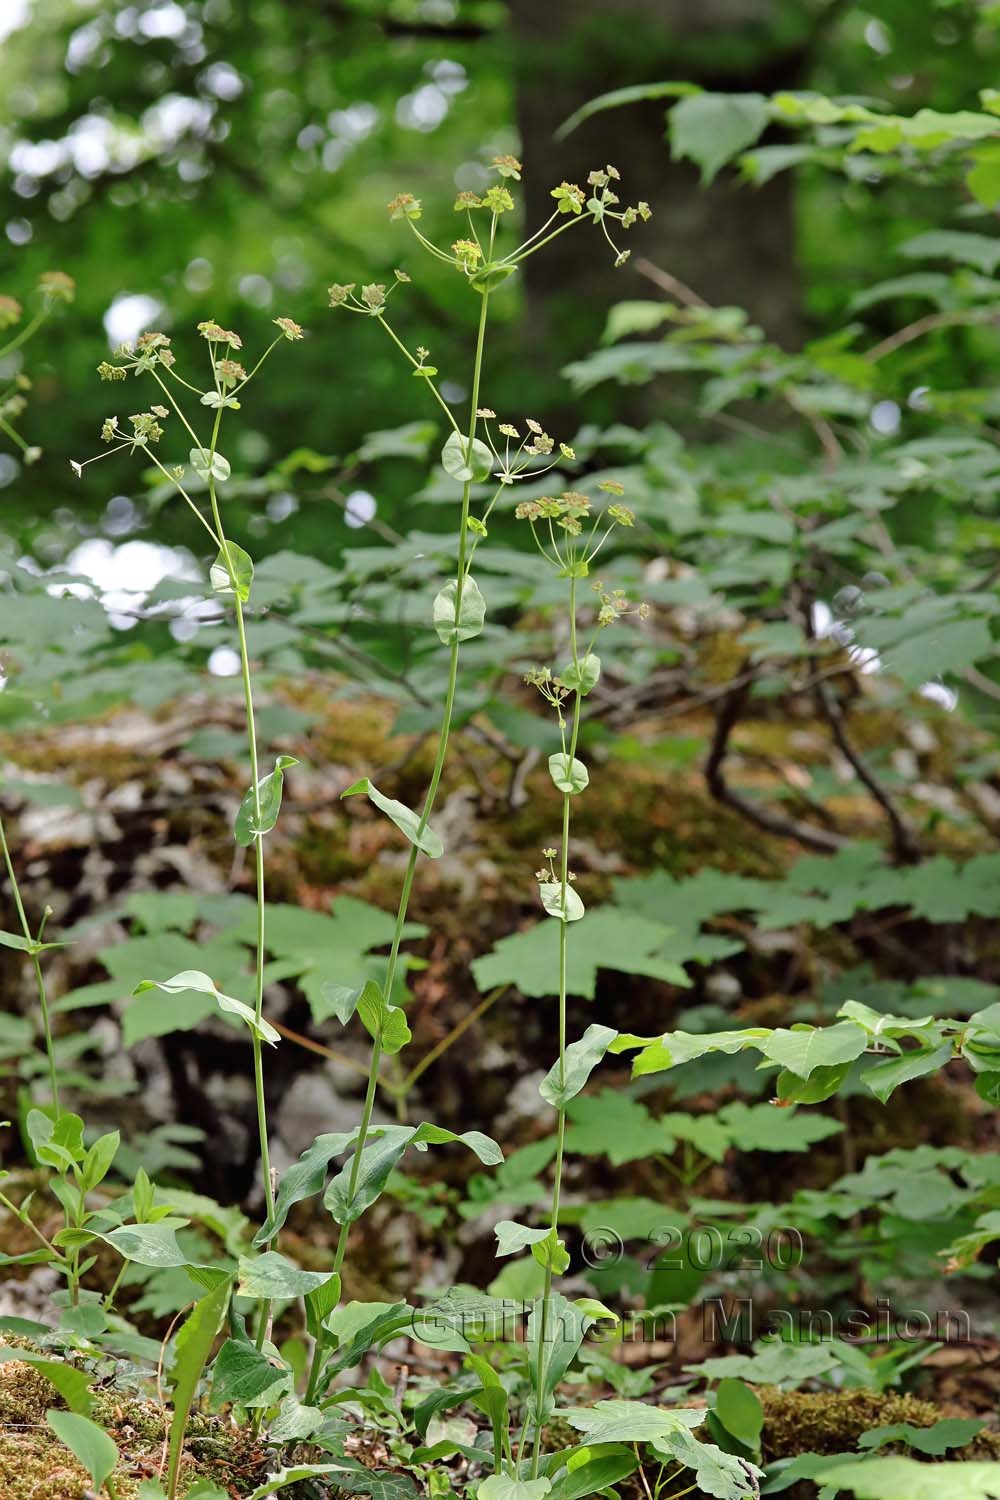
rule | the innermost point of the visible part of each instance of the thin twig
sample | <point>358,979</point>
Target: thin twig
<point>762,817</point>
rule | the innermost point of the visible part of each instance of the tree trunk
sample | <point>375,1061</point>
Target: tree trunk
<point>733,245</point>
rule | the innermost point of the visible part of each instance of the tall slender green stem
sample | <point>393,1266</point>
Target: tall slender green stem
<point>432,790</point>
<point>43,1002</point>
<point>561,1113</point>
<point>257,1045</point>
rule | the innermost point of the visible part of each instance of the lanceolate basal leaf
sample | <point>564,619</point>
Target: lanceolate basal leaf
<point>405,819</point>
<point>89,1443</point>
<point>191,1352</point>
<point>258,815</point>
<point>568,774</point>
<point>239,566</point>
<point>581,1058</point>
<point>566,905</point>
<point>471,612</point>
<point>468,463</point>
<point>193,979</point>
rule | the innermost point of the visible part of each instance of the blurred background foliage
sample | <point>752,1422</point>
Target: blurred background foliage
<point>228,158</point>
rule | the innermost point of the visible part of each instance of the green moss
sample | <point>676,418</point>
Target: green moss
<point>832,1421</point>
<point>34,1465</point>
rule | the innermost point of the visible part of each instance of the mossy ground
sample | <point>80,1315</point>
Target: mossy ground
<point>34,1464</point>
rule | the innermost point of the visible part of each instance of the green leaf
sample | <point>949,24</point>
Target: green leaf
<point>611,938</point>
<point>490,276</point>
<point>716,1473</point>
<point>512,1237</point>
<point>294,1422</point>
<point>25,945</point>
<point>552,1354</point>
<point>739,1411</point>
<point>551,1254</point>
<point>284,1477</point>
<point>191,1351</point>
<point>98,1160</point>
<point>633,93</point>
<point>194,979</point>
<point>593,1475</point>
<point>221,578</point>
<point>245,1376</point>
<point>502,1487</point>
<point>885,1077</point>
<point>581,676</point>
<point>304,1179</point>
<point>906,1479</point>
<point>384,1023</point>
<point>822,1084</point>
<point>802,1050</point>
<point>250,823</point>
<point>204,463</point>
<point>630,1421</point>
<point>568,774</point>
<point>949,1432</point>
<point>472,612</point>
<point>581,1058</point>
<point>380,1156</point>
<point>88,1443</point>
<point>271,1275</point>
<point>710,129</point>
<point>405,819</point>
<point>469,465</point>
<point>149,1244</point>
<point>979,250</point>
<point>321,1302</point>
<point>563,904</point>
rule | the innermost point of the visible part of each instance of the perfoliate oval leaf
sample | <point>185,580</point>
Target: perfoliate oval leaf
<point>581,676</point>
<point>568,774</point>
<point>468,463</point>
<point>384,1023</point>
<point>551,892</point>
<point>581,1058</point>
<point>205,463</point>
<point>405,819</point>
<point>258,815</point>
<point>241,566</point>
<point>471,612</point>
<point>490,276</point>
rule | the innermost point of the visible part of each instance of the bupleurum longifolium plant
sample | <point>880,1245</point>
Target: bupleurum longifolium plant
<point>317,1405</point>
